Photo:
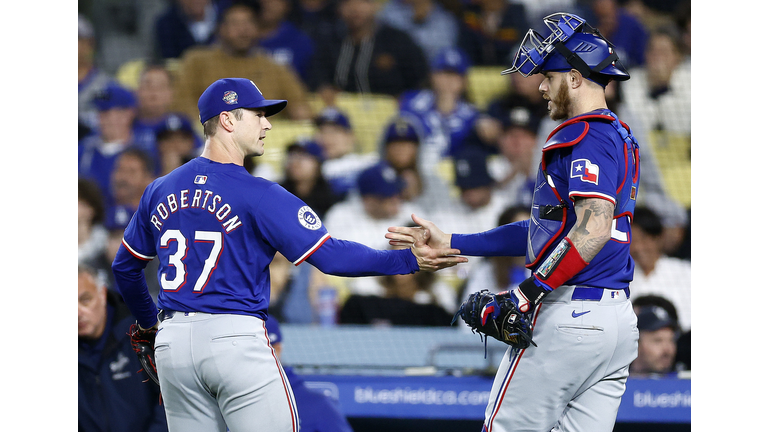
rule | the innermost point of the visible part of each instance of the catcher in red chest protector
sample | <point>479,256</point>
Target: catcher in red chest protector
<point>576,304</point>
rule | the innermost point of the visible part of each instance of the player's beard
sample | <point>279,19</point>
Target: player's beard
<point>560,105</point>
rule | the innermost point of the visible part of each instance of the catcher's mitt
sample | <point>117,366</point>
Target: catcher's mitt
<point>143,343</point>
<point>496,316</point>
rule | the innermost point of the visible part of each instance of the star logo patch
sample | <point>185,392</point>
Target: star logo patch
<point>585,170</point>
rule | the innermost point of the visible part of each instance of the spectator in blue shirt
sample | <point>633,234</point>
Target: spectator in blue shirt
<point>491,29</point>
<point>343,161</point>
<point>98,152</point>
<point>177,143</point>
<point>626,32</point>
<point>442,111</point>
<point>431,26</point>
<point>185,24</point>
<point>154,98</point>
<point>318,18</point>
<point>91,79</point>
<point>287,44</point>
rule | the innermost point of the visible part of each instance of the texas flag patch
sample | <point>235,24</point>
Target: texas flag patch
<point>585,170</point>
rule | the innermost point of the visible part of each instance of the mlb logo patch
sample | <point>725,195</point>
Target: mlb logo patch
<point>201,179</point>
<point>230,98</point>
<point>585,170</point>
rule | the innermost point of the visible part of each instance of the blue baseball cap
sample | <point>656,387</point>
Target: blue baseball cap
<point>114,96</point>
<point>380,180</point>
<point>175,123</point>
<point>523,117</point>
<point>471,169</point>
<point>309,147</point>
<point>228,94</point>
<point>273,330</point>
<point>332,116</point>
<point>118,217</point>
<point>401,130</point>
<point>450,59</point>
<point>652,318</point>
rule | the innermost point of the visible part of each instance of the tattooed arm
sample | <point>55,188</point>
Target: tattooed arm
<point>592,230</point>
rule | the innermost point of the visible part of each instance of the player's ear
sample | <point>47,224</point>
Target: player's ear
<point>574,78</point>
<point>226,121</point>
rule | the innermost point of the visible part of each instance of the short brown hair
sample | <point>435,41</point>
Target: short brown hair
<point>212,124</point>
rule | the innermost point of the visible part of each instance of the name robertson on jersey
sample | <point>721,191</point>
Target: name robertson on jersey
<point>198,199</point>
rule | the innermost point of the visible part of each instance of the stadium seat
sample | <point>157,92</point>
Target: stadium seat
<point>283,133</point>
<point>673,156</point>
<point>368,113</point>
<point>128,73</point>
<point>485,83</point>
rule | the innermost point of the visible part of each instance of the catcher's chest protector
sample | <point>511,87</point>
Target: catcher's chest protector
<point>552,212</point>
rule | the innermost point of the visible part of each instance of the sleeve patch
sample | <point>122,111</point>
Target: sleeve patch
<point>585,171</point>
<point>309,219</point>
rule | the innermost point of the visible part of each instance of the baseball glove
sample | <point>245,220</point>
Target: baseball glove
<point>143,343</point>
<point>496,316</point>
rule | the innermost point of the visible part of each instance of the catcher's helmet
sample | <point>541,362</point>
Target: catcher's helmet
<point>572,44</point>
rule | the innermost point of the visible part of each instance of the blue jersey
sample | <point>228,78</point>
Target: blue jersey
<point>291,47</point>
<point>587,157</point>
<point>445,133</point>
<point>215,229</point>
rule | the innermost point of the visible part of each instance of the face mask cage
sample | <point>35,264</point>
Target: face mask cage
<point>534,49</point>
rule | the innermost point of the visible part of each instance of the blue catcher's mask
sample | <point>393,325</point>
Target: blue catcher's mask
<point>572,44</point>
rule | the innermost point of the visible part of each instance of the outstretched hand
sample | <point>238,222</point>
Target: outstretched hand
<point>426,230</point>
<point>430,246</point>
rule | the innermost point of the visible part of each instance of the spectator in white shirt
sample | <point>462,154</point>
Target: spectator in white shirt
<point>655,272</point>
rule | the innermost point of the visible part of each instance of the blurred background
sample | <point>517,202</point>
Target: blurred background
<point>394,107</point>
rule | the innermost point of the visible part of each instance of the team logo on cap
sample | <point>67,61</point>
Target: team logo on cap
<point>257,87</point>
<point>462,168</point>
<point>230,98</point>
<point>309,219</point>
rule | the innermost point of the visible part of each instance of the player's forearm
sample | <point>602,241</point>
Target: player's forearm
<point>506,240</point>
<point>132,286</point>
<point>592,230</point>
<point>347,258</point>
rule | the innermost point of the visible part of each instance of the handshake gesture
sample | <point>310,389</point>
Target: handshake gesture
<point>431,246</point>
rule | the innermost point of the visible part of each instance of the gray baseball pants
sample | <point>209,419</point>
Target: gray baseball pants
<point>574,380</point>
<point>218,372</point>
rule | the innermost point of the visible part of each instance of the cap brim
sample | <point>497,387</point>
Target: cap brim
<point>658,325</point>
<point>271,107</point>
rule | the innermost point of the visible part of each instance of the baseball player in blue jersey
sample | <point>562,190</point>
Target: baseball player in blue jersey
<point>576,242</point>
<point>215,229</point>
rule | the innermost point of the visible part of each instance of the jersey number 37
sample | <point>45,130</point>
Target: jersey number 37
<point>177,258</point>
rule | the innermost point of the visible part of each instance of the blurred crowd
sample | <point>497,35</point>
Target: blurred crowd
<point>465,165</point>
